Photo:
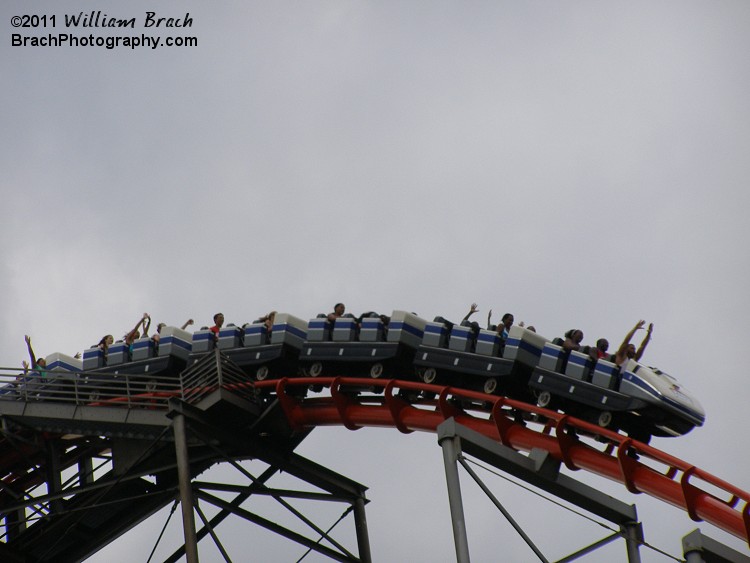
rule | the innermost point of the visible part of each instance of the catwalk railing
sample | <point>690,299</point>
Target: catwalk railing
<point>409,406</point>
<point>88,388</point>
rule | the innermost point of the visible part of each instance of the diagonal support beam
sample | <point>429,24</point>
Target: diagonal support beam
<point>223,513</point>
<point>276,528</point>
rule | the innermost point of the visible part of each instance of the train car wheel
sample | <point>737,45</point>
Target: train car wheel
<point>376,370</point>
<point>490,385</point>
<point>604,419</point>
<point>262,373</point>
<point>544,399</point>
<point>429,375</point>
<point>316,369</point>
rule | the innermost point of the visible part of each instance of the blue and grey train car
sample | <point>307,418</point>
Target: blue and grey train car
<point>640,400</point>
<point>369,348</point>
<point>262,353</point>
<point>469,357</point>
<point>131,369</point>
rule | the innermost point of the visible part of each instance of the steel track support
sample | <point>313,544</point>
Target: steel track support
<point>15,523</point>
<point>502,509</point>
<point>185,486</point>
<point>701,549</point>
<point>223,514</point>
<point>360,525</point>
<point>211,531</point>
<point>633,534</point>
<point>54,476</point>
<point>203,429</point>
<point>539,470</point>
<point>85,471</point>
<point>451,448</point>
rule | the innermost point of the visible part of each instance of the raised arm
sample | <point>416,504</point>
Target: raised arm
<point>187,323</point>
<point>32,357</point>
<point>473,309</point>
<point>646,339</point>
<point>489,320</point>
<point>142,321</point>
<point>624,346</point>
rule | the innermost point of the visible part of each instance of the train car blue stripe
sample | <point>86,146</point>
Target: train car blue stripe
<point>577,360</point>
<point>176,342</point>
<point>61,365</point>
<point>525,346</point>
<point>400,325</point>
<point>488,337</point>
<point>291,329</point>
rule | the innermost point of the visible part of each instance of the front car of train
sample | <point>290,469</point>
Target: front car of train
<point>676,411</point>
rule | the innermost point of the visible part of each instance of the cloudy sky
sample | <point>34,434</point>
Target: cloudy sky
<point>580,164</point>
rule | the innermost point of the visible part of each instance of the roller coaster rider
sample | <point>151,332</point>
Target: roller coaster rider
<point>627,350</point>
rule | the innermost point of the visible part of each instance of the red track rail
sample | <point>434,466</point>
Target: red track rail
<point>655,473</point>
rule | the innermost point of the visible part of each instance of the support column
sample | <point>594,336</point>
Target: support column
<point>54,477</point>
<point>699,549</point>
<point>633,539</point>
<point>451,448</point>
<point>186,490</point>
<point>85,471</point>
<point>15,523</point>
<point>363,537</point>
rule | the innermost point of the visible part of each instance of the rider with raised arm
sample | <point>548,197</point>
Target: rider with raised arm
<point>35,362</point>
<point>627,350</point>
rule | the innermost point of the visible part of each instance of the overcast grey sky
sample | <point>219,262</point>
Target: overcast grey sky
<point>580,164</point>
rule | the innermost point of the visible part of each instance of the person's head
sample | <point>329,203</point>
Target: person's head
<point>507,320</point>
<point>219,319</point>
<point>41,362</point>
<point>575,335</point>
<point>339,309</point>
<point>602,344</point>
<point>107,340</point>
<point>630,352</point>
<point>160,326</point>
<point>531,328</point>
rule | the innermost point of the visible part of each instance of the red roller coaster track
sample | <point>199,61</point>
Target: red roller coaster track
<point>651,471</point>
